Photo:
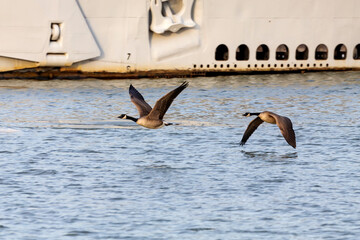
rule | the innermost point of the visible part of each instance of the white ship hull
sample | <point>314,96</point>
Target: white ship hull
<point>135,38</point>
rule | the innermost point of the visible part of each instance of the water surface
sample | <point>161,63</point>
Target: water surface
<point>69,169</point>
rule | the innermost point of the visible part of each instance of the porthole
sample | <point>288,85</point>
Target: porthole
<point>262,52</point>
<point>242,53</point>
<point>302,52</point>
<point>356,54</point>
<point>222,53</point>
<point>340,52</point>
<point>282,52</point>
<point>321,52</point>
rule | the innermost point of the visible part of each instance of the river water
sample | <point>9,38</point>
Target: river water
<point>69,169</point>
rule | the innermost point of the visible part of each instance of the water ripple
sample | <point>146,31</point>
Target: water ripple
<point>71,169</point>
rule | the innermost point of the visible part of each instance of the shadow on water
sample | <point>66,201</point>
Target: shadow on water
<point>269,155</point>
<point>161,168</point>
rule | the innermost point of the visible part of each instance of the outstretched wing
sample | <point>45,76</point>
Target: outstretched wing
<point>163,104</point>
<point>253,125</point>
<point>286,129</point>
<point>138,100</point>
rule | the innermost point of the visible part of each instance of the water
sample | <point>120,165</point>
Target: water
<point>69,169</point>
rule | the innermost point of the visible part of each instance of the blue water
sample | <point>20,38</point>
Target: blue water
<point>69,169</point>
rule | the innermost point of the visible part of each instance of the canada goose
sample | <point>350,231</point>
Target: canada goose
<point>283,123</point>
<point>152,118</point>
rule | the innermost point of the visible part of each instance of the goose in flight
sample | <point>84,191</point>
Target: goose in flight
<point>152,117</point>
<point>283,123</point>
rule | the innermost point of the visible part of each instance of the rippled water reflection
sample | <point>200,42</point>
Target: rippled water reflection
<point>70,170</point>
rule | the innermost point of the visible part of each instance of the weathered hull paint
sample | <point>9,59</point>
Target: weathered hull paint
<point>44,74</point>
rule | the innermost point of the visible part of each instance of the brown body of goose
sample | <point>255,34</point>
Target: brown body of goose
<point>152,117</point>
<point>282,122</point>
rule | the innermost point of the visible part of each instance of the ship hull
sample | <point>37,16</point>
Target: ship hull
<point>137,38</point>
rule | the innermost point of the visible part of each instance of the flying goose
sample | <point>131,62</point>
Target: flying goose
<point>283,123</point>
<point>152,117</point>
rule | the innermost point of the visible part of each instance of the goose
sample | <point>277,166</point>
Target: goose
<point>152,117</point>
<point>283,123</point>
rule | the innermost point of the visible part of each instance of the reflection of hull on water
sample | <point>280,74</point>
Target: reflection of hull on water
<point>133,39</point>
<point>9,130</point>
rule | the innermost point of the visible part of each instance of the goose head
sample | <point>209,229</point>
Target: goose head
<point>122,116</point>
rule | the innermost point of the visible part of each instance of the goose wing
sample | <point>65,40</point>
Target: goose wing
<point>163,104</point>
<point>286,129</point>
<point>138,100</point>
<point>253,125</point>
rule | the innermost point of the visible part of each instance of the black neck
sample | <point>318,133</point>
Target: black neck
<point>254,114</point>
<point>131,118</point>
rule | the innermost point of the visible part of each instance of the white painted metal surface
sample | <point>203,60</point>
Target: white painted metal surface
<point>131,36</point>
<point>46,32</point>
